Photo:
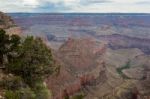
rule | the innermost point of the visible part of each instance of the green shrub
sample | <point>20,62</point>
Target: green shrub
<point>27,93</point>
<point>78,96</point>
<point>9,94</point>
<point>24,93</point>
<point>12,83</point>
<point>41,91</point>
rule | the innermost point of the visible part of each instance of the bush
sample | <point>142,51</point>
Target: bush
<point>27,93</point>
<point>8,44</point>
<point>11,83</point>
<point>24,93</point>
<point>78,96</point>
<point>41,91</point>
<point>9,94</point>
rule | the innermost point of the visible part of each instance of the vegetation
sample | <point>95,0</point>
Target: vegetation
<point>8,44</point>
<point>25,93</point>
<point>1,22</point>
<point>27,63</point>
<point>120,69</point>
<point>34,61</point>
<point>81,96</point>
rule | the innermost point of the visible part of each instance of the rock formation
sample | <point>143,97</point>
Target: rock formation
<point>8,24</point>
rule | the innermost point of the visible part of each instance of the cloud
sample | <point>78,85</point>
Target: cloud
<point>90,2</point>
<point>75,6</point>
<point>31,3</point>
<point>143,3</point>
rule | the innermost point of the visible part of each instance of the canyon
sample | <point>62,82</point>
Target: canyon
<point>102,56</point>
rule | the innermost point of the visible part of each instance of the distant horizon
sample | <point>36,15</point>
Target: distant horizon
<point>75,6</point>
<point>80,12</point>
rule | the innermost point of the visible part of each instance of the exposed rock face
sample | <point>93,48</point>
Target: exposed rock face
<point>82,65</point>
<point>8,24</point>
<point>14,30</point>
<point>117,41</point>
<point>91,67</point>
<point>81,53</point>
<point>5,21</point>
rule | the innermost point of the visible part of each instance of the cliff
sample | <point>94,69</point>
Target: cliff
<point>7,23</point>
<point>81,65</point>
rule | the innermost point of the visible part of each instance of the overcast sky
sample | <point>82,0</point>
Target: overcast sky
<point>90,6</point>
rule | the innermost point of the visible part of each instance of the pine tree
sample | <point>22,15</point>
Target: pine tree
<point>4,44</point>
<point>34,61</point>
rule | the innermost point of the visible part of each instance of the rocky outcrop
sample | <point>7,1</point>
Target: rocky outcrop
<point>89,66</point>
<point>82,65</point>
<point>7,23</point>
<point>117,41</point>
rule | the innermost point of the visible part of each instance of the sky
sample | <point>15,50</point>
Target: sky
<point>80,6</point>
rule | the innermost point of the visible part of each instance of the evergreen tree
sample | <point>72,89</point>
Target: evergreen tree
<point>30,60</point>
<point>34,62</point>
<point>4,43</point>
<point>8,46</point>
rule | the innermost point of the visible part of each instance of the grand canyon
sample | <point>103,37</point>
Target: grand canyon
<point>101,56</point>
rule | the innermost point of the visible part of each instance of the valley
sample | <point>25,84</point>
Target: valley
<point>101,56</point>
